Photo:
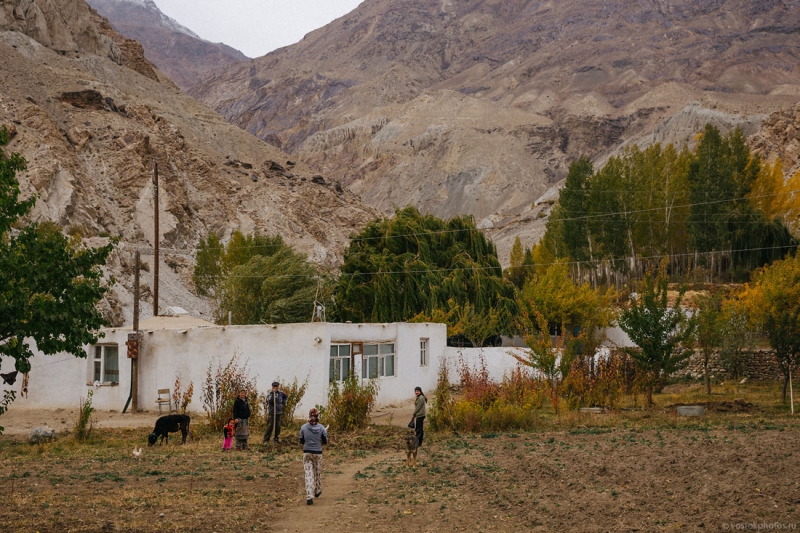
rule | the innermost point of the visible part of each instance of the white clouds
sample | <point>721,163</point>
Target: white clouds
<point>255,26</point>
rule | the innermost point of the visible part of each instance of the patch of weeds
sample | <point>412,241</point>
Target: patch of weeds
<point>110,476</point>
<point>589,431</point>
<point>490,435</point>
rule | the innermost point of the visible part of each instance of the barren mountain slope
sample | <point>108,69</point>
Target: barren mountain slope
<point>91,129</point>
<point>478,106</point>
<point>174,49</point>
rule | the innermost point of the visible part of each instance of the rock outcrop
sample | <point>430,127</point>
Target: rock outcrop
<point>92,128</point>
<point>65,26</point>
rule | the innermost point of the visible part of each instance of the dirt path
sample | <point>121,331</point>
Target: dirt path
<point>336,507</point>
<point>19,422</point>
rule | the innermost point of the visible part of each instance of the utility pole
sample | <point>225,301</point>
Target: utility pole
<point>155,237</point>
<point>135,361</point>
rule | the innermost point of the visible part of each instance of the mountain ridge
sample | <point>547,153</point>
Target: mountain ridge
<point>478,107</point>
<point>181,54</point>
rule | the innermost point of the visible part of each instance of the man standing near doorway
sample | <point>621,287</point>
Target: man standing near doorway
<point>276,399</point>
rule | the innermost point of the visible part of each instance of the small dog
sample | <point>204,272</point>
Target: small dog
<point>412,444</point>
<point>168,424</point>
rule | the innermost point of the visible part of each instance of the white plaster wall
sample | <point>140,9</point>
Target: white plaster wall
<point>282,351</point>
<point>61,380</point>
<point>616,337</point>
<point>499,361</point>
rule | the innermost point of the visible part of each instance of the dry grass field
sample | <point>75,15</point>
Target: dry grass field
<point>637,470</point>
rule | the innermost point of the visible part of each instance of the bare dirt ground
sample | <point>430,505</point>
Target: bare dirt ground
<point>637,474</point>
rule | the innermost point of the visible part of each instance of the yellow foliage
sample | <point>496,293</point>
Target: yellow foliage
<point>776,197</point>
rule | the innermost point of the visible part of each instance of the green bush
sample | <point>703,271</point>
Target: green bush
<point>83,426</point>
<point>349,408</point>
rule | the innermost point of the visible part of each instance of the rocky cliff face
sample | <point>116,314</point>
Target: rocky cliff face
<point>478,106</point>
<point>65,26</point>
<point>91,129</point>
<point>779,136</point>
<point>178,52</point>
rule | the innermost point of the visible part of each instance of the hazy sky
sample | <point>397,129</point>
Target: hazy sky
<point>255,27</point>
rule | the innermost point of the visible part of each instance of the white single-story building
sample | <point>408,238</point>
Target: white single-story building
<point>400,355</point>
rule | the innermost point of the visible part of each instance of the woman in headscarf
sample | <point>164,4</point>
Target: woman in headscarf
<point>312,436</point>
<point>420,409</point>
<point>241,414</point>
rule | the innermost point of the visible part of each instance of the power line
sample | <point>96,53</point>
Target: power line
<point>481,267</point>
<point>147,250</point>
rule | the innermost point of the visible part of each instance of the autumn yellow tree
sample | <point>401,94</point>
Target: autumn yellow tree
<point>773,302</point>
<point>777,197</point>
<point>575,313</point>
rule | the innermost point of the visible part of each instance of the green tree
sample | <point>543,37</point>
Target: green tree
<point>737,337</point>
<point>662,333</point>
<point>49,284</point>
<point>710,323</point>
<point>270,289</point>
<point>208,269</point>
<point>413,264</point>
<point>573,201</point>
<point>521,264</point>
<point>258,279</point>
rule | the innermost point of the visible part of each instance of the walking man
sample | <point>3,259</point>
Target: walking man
<point>276,399</point>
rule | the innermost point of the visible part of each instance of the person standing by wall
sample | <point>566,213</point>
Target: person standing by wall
<point>276,399</point>
<point>241,413</point>
<point>312,436</point>
<point>420,410</point>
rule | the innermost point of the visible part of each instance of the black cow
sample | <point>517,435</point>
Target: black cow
<point>168,424</point>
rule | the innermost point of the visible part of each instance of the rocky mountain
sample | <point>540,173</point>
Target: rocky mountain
<point>177,51</point>
<point>478,106</point>
<point>91,115</point>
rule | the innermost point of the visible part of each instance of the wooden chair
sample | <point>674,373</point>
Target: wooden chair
<point>164,398</point>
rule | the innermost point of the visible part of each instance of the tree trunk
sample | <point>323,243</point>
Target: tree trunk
<point>705,373</point>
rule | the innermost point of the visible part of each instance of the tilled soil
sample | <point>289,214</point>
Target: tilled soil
<point>587,479</point>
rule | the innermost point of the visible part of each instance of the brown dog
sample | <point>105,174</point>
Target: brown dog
<point>412,444</point>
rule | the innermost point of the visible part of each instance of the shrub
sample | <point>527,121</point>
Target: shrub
<point>440,415</point>
<point>349,408</point>
<point>221,389</point>
<point>8,397</point>
<point>487,405</point>
<point>475,382</point>
<point>182,399</point>
<point>83,426</point>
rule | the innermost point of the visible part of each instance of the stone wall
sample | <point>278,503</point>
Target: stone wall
<point>758,365</point>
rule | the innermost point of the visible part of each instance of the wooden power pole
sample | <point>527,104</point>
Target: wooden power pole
<point>135,360</point>
<point>155,237</point>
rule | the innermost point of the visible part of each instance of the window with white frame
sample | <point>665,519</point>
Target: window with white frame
<point>340,362</point>
<point>423,352</point>
<point>378,360</point>
<point>105,364</point>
